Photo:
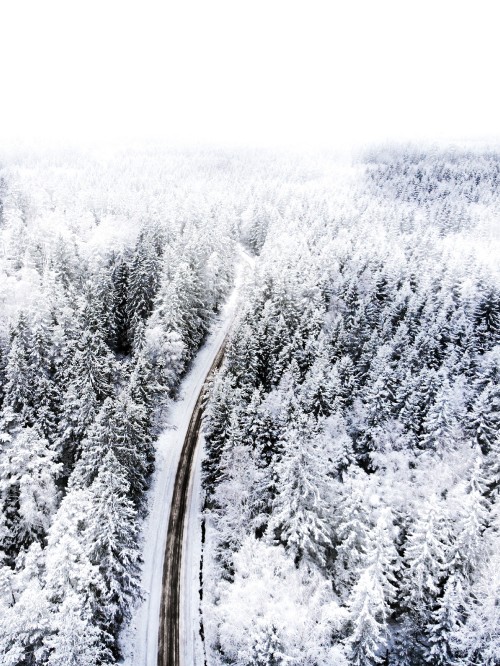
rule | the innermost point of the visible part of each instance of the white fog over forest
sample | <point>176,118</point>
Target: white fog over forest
<point>249,335</point>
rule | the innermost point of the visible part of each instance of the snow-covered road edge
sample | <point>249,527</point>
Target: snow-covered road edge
<point>191,644</point>
<point>139,641</point>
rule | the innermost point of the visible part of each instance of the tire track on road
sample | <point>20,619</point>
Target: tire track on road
<point>169,634</point>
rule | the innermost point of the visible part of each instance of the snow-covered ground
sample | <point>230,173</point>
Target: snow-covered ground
<point>140,639</point>
<point>189,627</point>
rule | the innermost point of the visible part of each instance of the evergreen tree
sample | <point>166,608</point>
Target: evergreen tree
<point>320,386</point>
<point>485,417</point>
<point>440,430</point>
<point>419,394</point>
<point>238,500</point>
<point>469,549</point>
<point>425,558</point>
<point>89,383</point>
<point>45,394</point>
<point>25,626</point>
<point>215,424</point>
<point>143,280</point>
<point>120,278</point>
<point>77,640</point>
<point>445,622</point>
<point>486,318</point>
<point>112,536</point>
<point>300,518</point>
<point>267,649</point>
<point>75,587</point>
<point>121,427</point>
<point>28,491</point>
<point>18,376</point>
<point>351,532</point>
<point>477,640</point>
<point>367,643</point>
<point>69,570</point>
<point>491,468</point>
<point>373,594</point>
<point>242,356</point>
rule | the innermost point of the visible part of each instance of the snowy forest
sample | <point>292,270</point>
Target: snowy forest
<point>351,469</point>
<point>352,461</point>
<point>111,270</point>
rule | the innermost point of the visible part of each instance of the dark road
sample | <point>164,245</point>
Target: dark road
<point>169,638</point>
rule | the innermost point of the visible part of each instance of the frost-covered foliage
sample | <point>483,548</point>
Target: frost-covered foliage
<point>351,471</point>
<point>111,269</point>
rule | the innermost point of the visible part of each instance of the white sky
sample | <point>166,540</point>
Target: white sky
<point>249,71</point>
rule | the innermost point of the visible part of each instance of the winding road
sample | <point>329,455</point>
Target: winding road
<point>169,653</point>
<point>164,629</point>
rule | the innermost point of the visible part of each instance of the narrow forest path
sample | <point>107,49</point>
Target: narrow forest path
<point>169,639</point>
<point>152,639</point>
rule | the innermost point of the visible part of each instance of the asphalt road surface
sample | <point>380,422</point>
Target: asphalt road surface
<point>168,635</point>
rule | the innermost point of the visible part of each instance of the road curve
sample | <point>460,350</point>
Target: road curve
<point>168,634</point>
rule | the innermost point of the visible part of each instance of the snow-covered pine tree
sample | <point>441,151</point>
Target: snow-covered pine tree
<point>142,284</point>
<point>301,507</point>
<point>372,596</point>
<point>120,427</point>
<point>28,492</point>
<point>111,537</point>
<point>485,417</point>
<point>215,427</point>
<point>90,381</point>
<point>351,527</point>
<point>18,390</point>
<point>426,561</point>
<point>267,649</point>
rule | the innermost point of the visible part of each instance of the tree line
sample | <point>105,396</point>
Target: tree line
<point>352,435</point>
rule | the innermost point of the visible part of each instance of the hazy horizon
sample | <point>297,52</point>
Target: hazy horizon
<point>285,74</point>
